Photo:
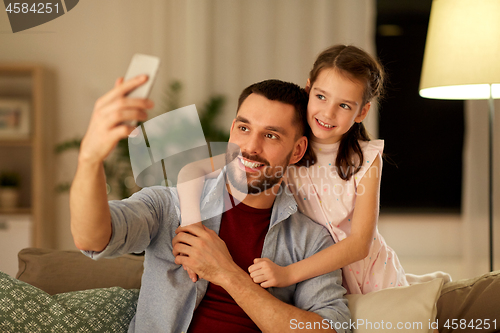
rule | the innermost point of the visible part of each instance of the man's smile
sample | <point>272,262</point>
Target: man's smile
<point>249,164</point>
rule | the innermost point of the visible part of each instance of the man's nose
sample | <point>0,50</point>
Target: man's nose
<point>253,145</point>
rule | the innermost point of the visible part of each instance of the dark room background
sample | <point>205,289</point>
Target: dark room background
<point>423,137</point>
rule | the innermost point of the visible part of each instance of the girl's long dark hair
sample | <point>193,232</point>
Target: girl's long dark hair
<point>357,65</point>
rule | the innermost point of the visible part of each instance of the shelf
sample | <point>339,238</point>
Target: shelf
<point>15,211</point>
<point>18,69</point>
<point>15,142</point>
<point>31,155</point>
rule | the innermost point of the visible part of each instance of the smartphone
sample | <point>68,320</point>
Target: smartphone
<point>142,64</point>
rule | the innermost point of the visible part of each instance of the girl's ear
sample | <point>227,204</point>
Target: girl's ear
<point>308,86</point>
<point>363,113</point>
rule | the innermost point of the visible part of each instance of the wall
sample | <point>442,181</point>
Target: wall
<point>220,47</point>
<point>426,243</point>
<point>475,198</point>
<point>217,46</point>
<point>457,244</point>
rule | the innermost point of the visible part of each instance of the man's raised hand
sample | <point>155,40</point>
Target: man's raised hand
<point>107,125</point>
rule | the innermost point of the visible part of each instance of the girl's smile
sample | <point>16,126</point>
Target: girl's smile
<point>324,125</point>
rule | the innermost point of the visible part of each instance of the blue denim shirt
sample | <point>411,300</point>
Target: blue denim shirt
<point>147,221</point>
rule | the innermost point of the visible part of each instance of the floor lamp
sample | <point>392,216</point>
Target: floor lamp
<point>462,61</point>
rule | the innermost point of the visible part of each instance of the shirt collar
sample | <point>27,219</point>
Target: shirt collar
<point>212,203</point>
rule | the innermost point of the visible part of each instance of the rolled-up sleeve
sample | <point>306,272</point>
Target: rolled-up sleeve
<point>135,221</point>
<point>324,294</point>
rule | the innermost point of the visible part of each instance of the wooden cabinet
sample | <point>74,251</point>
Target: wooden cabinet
<point>15,235</point>
<point>31,156</point>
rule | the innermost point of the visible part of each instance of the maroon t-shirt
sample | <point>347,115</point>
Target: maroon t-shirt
<point>243,229</point>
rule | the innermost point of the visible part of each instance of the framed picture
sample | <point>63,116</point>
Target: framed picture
<point>14,119</point>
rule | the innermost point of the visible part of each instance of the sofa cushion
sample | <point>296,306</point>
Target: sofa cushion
<point>24,308</point>
<point>401,309</point>
<point>470,305</point>
<point>62,271</point>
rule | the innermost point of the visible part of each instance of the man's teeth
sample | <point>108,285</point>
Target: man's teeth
<point>250,164</point>
<point>324,124</point>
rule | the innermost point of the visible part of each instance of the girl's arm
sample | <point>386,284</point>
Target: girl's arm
<point>353,248</point>
<point>190,186</point>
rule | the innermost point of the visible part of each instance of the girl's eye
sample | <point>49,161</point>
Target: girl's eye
<point>321,97</point>
<point>345,106</point>
<point>271,136</point>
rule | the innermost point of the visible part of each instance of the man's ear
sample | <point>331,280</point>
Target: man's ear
<point>363,113</point>
<point>308,86</point>
<point>299,150</point>
<point>231,130</point>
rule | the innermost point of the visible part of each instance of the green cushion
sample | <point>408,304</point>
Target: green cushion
<point>24,308</point>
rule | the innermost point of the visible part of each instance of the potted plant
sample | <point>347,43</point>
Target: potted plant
<point>10,182</point>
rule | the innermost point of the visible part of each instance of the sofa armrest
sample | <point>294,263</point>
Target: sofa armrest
<point>57,272</point>
<point>473,300</point>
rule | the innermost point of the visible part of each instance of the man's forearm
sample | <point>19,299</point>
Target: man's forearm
<point>266,311</point>
<point>90,216</point>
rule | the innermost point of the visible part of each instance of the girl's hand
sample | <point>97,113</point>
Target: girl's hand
<point>268,274</point>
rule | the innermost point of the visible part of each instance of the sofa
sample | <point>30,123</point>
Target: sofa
<point>64,291</point>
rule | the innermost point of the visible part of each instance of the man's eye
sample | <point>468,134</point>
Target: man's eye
<point>243,128</point>
<point>321,97</point>
<point>271,136</point>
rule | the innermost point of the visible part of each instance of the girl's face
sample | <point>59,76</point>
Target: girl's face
<point>335,103</point>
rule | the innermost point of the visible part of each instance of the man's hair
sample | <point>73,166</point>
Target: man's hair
<point>284,92</point>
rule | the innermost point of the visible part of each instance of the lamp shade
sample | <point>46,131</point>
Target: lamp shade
<point>462,51</point>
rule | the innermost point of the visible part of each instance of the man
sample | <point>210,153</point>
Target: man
<point>269,131</point>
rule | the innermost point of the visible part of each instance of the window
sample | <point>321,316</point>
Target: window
<point>423,137</point>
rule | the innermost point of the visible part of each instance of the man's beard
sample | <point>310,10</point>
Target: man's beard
<point>256,183</point>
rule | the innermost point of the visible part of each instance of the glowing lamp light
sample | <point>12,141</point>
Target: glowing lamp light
<point>462,61</point>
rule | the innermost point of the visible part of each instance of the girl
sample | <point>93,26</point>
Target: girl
<point>337,184</point>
